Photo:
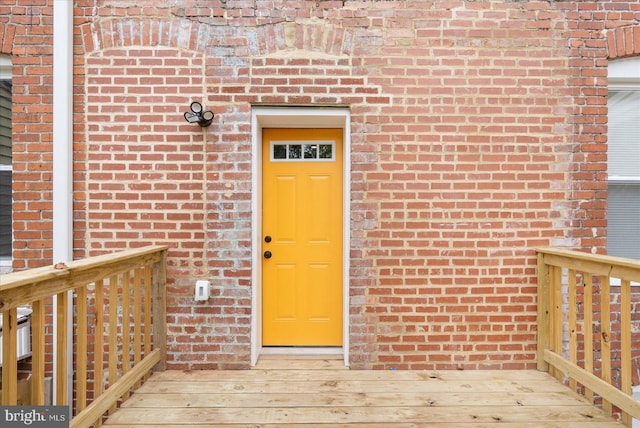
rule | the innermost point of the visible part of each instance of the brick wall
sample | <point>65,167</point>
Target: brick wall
<point>26,34</point>
<point>145,173</point>
<point>478,134</point>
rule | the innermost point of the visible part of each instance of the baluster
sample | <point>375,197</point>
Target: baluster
<point>588,329</point>
<point>573,343</point>
<point>605,335</point>
<point>113,334</point>
<point>9,357</point>
<point>625,337</point>
<point>557,319</point>
<point>37,352</point>
<point>62,337</point>
<point>147,310</point>
<point>125,332</point>
<point>98,344</point>
<point>137,318</point>
<point>81,353</point>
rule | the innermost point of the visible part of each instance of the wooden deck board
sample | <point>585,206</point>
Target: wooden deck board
<point>361,399</point>
<point>271,386</point>
<point>317,393</point>
<point>350,375</point>
<point>398,425</point>
<point>375,415</point>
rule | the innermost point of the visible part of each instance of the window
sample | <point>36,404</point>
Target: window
<point>5,162</point>
<point>296,151</point>
<point>624,159</point>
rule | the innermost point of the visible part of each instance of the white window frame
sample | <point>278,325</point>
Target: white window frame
<point>6,263</point>
<point>624,75</point>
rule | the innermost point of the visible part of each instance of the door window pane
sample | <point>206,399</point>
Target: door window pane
<point>295,151</point>
<point>326,151</point>
<point>310,151</point>
<point>302,151</point>
<point>279,151</point>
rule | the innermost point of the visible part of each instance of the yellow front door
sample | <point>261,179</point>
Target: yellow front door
<point>302,237</point>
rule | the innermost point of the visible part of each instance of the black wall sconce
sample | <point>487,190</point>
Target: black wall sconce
<point>199,115</point>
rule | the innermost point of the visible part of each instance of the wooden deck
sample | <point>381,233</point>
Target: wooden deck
<point>307,392</point>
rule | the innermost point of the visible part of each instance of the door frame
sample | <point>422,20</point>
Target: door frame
<point>296,117</point>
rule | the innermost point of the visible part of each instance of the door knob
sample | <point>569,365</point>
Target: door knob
<point>267,254</point>
<point>267,239</point>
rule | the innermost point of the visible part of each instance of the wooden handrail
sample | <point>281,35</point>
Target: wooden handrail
<point>566,326</point>
<point>103,286</point>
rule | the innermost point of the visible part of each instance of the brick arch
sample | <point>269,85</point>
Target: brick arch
<point>310,36</point>
<point>7,34</point>
<point>318,36</point>
<point>623,42</point>
<point>174,33</point>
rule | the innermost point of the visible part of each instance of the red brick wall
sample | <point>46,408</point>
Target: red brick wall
<point>478,134</point>
<point>146,172</point>
<point>26,34</point>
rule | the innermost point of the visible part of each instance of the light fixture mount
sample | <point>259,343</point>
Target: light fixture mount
<point>199,115</point>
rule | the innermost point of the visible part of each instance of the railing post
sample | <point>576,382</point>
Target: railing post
<point>544,313</point>
<point>159,310</point>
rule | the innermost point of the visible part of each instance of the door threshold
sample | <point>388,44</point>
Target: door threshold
<point>302,351</point>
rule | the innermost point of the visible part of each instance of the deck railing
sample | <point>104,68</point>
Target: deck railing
<point>119,313</point>
<point>585,325</point>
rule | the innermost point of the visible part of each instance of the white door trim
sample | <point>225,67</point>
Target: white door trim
<point>295,117</point>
